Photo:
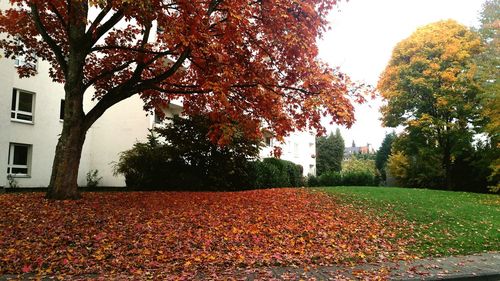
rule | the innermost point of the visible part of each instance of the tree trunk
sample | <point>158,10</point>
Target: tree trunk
<point>63,182</point>
<point>447,168</point>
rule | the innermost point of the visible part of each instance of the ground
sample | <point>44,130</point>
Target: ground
<point>184,234</point>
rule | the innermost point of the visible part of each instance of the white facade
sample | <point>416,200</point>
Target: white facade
<point>299,148</point>
<point>117,130</point>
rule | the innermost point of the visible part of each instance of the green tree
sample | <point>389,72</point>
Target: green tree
<point>430,89</point>
<point>488,65</point>
<point>330,152</point>
<point>488,72</point>
<point>383,154</point>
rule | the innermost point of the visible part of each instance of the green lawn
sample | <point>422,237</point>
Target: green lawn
<point>446,223</point>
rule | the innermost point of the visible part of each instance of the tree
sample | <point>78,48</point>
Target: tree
<point>223,167</point>
<point>488,72</point>
<point>383,153</point>
<point>185,158</point>
<point>488,64</point>
<point>431,90</point>
<point>414,164</point>
<point>253,62</point>
<point>330,152</point>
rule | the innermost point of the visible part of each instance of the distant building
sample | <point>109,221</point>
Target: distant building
<point>299,148</point>
<point>354,150</point>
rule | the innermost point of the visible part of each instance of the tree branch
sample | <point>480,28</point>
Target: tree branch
<point>105,27</point>
<point>98,20</point>
<point>48,39</point>
<point>159,78</point>
<point>107,73</point>
<point>58,15</point>
<point>125,48</point>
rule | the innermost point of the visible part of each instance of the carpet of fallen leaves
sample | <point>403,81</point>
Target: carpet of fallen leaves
<point>189,234</point>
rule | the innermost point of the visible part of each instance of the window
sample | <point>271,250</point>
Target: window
<point>157,118</point>
<point>61,110</point>
<point>268,141</point>
<point>22,106</point>
<point>19,155</point>
<point>19,61</point>
<point>296,150</point>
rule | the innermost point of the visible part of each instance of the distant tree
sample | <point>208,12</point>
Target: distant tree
<point>383,154</point>
<point>330,152</point>
<point>431,90</point>
<point>398,166</point>
<point>421,163</point>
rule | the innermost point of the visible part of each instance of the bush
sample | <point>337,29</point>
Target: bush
<point>93,178</point>
<point>331,178</point>
<point>313,181</point>
<point>359,171</point>
<point>273,172</point>
<point>358,178</point>
<point>188,159</point>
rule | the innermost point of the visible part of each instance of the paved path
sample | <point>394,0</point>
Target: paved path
<point>480,267</point>
<point>474,267</point>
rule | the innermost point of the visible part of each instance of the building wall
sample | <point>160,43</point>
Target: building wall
<point>299,147</point>
<point>42,134</point>
<point>117,130</point>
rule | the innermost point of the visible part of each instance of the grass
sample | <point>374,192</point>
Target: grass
<point>446,223</point>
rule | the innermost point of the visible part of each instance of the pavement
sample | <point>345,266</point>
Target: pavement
<point>483,267</point>
<point>478,267</point>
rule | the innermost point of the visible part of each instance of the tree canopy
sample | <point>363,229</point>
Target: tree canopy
<point>430,88</point>
<point>488,63</point>
<point>253,63</point>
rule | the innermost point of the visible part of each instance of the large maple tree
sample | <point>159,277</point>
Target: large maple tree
<point>245,62</point>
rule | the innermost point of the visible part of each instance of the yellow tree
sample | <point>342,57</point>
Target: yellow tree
<point>429,87</point>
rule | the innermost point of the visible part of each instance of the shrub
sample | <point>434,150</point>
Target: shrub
<point>147,165</point>
<point>93,178</point>
<point>273,172</point>
<point>359,172</point>
<point>331,178</point>
<point>313,181</point>
<point>12,181</point>
<point>358,178</point>
<point>188,159</point>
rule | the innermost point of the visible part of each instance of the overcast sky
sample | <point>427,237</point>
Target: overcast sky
<point>363,35</point>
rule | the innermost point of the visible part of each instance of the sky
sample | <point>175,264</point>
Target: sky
<point>362,36</point>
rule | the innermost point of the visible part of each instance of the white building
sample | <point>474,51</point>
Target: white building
<point>30,122</point>
<point>299,148</point>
